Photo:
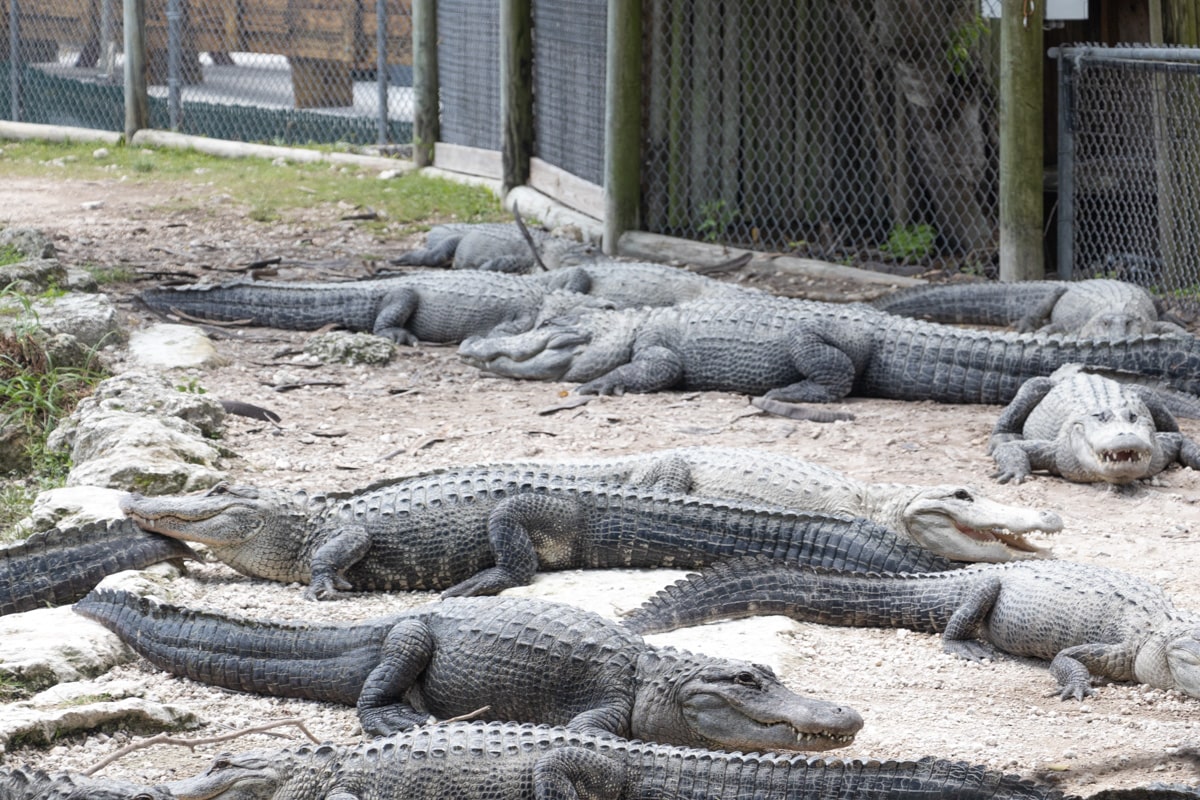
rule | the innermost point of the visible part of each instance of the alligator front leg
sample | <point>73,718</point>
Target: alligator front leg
<point>571,773</point>
<point>439,255</point>
<point>331,560</point>
<point>1040,314</point>
<point>1074,667</point>
<point>523,530</point>
<point>1016,460</point>
<point>650,370</point>
<point>405,654</point>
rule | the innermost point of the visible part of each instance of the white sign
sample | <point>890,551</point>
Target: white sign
<point>1055,9</point>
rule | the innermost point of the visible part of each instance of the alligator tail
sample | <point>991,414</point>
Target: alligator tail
<point>755,587</point>
<point>286,659</point>
<point>62,565</point>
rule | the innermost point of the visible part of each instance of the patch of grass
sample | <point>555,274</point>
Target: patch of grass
<point>108,275</point>
<point>10,255</point>
<point>269,188</point>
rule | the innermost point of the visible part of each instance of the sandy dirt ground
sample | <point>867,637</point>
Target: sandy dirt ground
<point>426,409</point>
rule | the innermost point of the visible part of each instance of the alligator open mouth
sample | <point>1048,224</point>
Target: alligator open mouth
<point>1123,456</point>
<point>1001,536</point>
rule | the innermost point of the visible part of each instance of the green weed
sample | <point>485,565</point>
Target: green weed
<point>10,255</point>
<point>910,243</point>
<point>715,218</point>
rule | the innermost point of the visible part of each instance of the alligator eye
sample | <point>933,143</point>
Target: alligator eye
<point>1103,416</point>
<point>963,494</point>
<point>1132,416</point>
<point>746,679</point>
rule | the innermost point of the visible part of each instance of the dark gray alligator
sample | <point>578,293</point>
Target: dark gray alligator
<point>496,246</point>
<point>1099,308</point>
<point>803,351</point>
<point>1089,429</point>
<point>436,307</point>
<point>482,530</point>
<point>1086,620</point>
<point>476,761</point>
<point>17,783</point>
<point>954,521</point>
<point>525,660</point>
<point>60,566</point>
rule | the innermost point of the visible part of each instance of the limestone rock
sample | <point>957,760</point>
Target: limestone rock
<point>71,506</point>
<point>52,645</point>
<point>168,346</point>
<point>29,242</point>
<point>153,395</point>
<point>90,318</point>
<point>33,276</point>
<point>341,347</point>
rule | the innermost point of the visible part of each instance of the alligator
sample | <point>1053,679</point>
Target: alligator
<point>482,761</point>
<point>805,351</point>
<point>481,530</point>
<point>61,565</point>
<point>434,307</point>
<point>1097,308</point>
<point>629,284</point>
<point>19,783</point>
<point>519,658</point>
<point>495,246</point>
<point>1086,620</point>
<point>951,520</point>
<point>1088,429</point>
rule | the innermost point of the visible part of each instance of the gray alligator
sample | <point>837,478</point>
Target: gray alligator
<point>60,566</point>
<point>1086,620</point>
<point>521,659</point>
<point>496,246</point>
<point>629,284</point>
<point>476,761</point>
<point>17,783</point>
<point>435,307</point>
<point>1099,308</point>
<point>804,351</point>
<point>482,530</point>
<point>1088,429</point>
<point>954,521</point>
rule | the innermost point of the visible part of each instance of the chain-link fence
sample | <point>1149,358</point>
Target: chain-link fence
<point>285,71</point>
<point>1129,166</point>
<point>850,130</point>
<point>468,65</point>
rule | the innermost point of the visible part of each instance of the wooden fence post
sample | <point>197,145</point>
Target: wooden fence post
<point>622,120</point>
<point>137,103</point>
<point>1021,207</point>
<point>516,91</point>
<point>426,121</point>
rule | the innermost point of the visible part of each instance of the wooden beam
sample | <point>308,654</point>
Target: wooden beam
<point>1021,206</point>
<point>622,121</point>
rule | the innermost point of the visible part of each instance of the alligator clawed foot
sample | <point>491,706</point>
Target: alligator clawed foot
<point>1076,691</point>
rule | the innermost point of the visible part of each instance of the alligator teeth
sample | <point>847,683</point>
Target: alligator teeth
<point>1016,541</point>
<point>802,737</point>
<point>1122,456</point>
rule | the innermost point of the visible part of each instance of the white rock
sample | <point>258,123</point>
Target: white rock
<point>167,346</point>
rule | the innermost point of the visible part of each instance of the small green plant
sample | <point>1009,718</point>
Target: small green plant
<point>910,242</point>
<point>10,255</point>
<point>715,218</point>
<point>962,41</point>
<point>191,386</point>
<point>106,275</point>
<point>142,165</point>
<point>263,214</point>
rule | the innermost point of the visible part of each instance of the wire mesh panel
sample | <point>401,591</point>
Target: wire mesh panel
<point>1129,166</point>
<point>469,72</point>
<point>569,46</point>
<point>65,70</point>
<point>841,130</point>
<point>287,71</point>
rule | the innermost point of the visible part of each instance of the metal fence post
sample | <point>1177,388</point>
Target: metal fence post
<point>381,67</point>
<point>1066,166</point>
<point>174,61</point>
<point>426,128</point>
<point>14,59</point>
<point>137,103</point>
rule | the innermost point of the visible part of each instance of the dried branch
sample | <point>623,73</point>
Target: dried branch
<point>191,744</point>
